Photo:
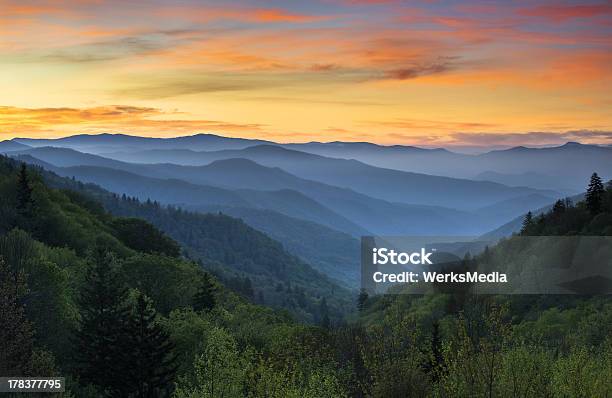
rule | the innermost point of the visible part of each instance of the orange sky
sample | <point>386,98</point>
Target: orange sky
<point>393,72</point>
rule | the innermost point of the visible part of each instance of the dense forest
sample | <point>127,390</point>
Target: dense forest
<point>123,310</point>
<point>244,259</point>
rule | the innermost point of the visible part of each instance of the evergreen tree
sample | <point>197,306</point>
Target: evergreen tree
<point>527,222</point>
<point>97,345</point>
<point>594,194</point>
<point>24,190</point>
<point>559,207</point>
<point>16,342</point>
<point>205,299</point>
<point>362,300</point>
<point>148,364</point>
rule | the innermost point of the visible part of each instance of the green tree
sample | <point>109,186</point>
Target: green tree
<point>594,194</point>
<point>97,345</point>
<point>148,364</point>
<point>527,222</point>
<point>24,190</point>
<point>559,207</point>
<point>144,237</point>
<point>220,370</point>
<point>205,298</point>
<point>16,341</point>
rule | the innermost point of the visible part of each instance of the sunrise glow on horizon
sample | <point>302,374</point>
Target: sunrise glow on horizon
<point>432,73</point>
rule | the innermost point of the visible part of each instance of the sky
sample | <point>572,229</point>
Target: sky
<point>429,73</point>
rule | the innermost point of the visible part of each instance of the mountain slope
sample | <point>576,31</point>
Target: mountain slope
<point>10,146</point>
<point>515,224</point>
<point>101,143</point>
<point>333,253</point>
<point>224,245</point>
<point>178,192</point>
<point>387,184</point>
<point>369,214</point>
<point>559,168</point>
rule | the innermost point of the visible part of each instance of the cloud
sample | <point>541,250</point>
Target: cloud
<point>277,15</point>
<point>241,14</point>
<point>412,72</point>
<point>532,138</point>
<point>424,125</point>
<point>561,13</point>
<point>16,121</point>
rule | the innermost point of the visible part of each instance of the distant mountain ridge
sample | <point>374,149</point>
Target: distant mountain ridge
<point>552,161</point>
<point>10,145</point>
<point>387,184</point>
<point>118,142</point>
<point>252,179</point>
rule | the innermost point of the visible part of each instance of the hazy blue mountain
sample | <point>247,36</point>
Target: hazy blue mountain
<point>510,208</point>
<point>515,224</point>
<point>551,161</point>
<point>10,145</point>
<point>120,142</point>
<point>65,157</point>
<point>523,162</point>
<point>370,214</point>
<point>179,192</point>
<point>526,179</point>
<point>386,184</point>
<point>167,191</point>
<point>355,212</point>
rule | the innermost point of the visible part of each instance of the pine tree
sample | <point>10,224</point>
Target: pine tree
<point>205,299</point>
<point>97,347</point>
<point>527,222</point>
<point>559,207</point>
<point>16,341</point>
<point>24,190</point>
<point>594,194</point>
<point>148,364</point>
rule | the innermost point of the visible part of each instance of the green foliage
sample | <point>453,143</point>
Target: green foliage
<point>148,364</point>
<point>205,299</point>
<point>594,194</point>
<point>220,369</point>
<point>170,283</point>
<point>527,222</point>
<point>79,262</point>
<point>98,340</point>
<point>16,337</point>
<point>141,236</point>
<point>243,259</point>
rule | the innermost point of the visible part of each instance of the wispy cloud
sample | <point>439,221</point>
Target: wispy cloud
<point>16,121</point>
<point>561,13</point>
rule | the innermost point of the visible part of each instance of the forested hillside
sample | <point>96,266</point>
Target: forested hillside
<point>246,260</point>
<point>109,303</point>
